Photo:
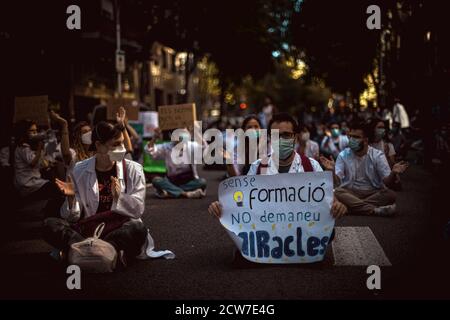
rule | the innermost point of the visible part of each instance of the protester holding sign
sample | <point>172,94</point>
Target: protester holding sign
<point>289,161</point>
<point>105,188</point>
<point>362,173</point>
<point>182,179</point>
<point>28,162</point>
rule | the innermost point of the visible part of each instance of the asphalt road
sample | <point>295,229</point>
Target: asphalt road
<point>203,267</point>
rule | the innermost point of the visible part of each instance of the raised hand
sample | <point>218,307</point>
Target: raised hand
<point>121,116</point>
<point>66,187</point>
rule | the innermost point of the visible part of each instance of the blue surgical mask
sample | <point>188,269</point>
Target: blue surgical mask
<point>335,132</point>
<point>355,145</point>
<point>284,147</point>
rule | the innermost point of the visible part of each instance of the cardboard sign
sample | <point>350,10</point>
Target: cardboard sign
<point>115,103</point>
<point>149,119</point>
<point>33,108</point>
<point>283,218</point>
<point>177,116</point>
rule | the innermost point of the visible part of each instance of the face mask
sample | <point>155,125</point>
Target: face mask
<point>306,136</point>
<point>86,138</point>
<point>253,134</point>
<point>355,145</point>
<point>117,154</point>
<point>335,132</point>
<point>379,133</point>
<point>284,148</point>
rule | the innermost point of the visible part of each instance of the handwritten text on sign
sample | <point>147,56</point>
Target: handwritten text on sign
<point>177,116</point>
<point>282,218</point>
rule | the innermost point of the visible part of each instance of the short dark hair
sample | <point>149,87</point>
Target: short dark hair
<point>363,126</point>
<point>283,117</point>
<point>103,132</point>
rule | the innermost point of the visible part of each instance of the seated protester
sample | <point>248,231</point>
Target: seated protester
<point>182,179</point>
<point>289,160</point>
<point>28,162</point>
<point>104,188</point>
<point>399,141</point>
<point>251,126</point>
<point>335,142</point>
<point>377,140</point>
<point>362,173</point>
<point>306,146</point>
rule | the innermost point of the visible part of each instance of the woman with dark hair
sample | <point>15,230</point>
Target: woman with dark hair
<point>104,188</point>
<point>240,166</point>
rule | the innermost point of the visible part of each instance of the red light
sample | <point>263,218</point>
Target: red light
<point>243,106</point>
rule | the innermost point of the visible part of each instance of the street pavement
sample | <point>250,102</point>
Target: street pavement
<point>408,247</point>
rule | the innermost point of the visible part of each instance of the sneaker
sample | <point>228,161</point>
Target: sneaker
<point>196,194</point>
<point>385,211</point>
<point>162,194</point>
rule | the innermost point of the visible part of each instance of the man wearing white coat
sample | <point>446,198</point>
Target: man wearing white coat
<point>105,183</point>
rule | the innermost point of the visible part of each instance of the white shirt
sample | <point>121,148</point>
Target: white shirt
<point>27,179</point>
<point>328,144</point>
<point>381,145</point>
<point>311,149</point>
<point>130,203</point>
<point>375,167</point>
<point>296,166</point>
<point>164,152</point>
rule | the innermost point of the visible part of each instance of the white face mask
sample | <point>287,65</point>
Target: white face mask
<point>86,138</point>
<point>117,154</point>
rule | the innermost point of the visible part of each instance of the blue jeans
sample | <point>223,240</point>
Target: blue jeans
<point>164,184</point>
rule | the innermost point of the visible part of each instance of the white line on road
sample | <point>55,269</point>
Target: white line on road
<point>357,246</point>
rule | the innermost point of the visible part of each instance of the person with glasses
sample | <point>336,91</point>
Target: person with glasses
<point>289,160</point>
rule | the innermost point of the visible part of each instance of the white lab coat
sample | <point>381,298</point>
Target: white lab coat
<point>130,203</point>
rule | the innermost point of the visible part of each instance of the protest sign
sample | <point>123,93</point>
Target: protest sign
<point>33,108</point>
<point>282,218</point>
<point>177,116</point>
<point>130,106</point>
<point>149,119</point>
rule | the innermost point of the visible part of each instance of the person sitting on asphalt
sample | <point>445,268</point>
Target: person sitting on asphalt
<point>306,146</point>
<point>334,142</point>
<point>103,188</point>
<point>28,162</point>
<point>289,160</point>
<point>182,179</point>
<point>363,175</point>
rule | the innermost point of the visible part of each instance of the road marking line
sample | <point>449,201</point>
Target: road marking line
<point>357,246</point>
